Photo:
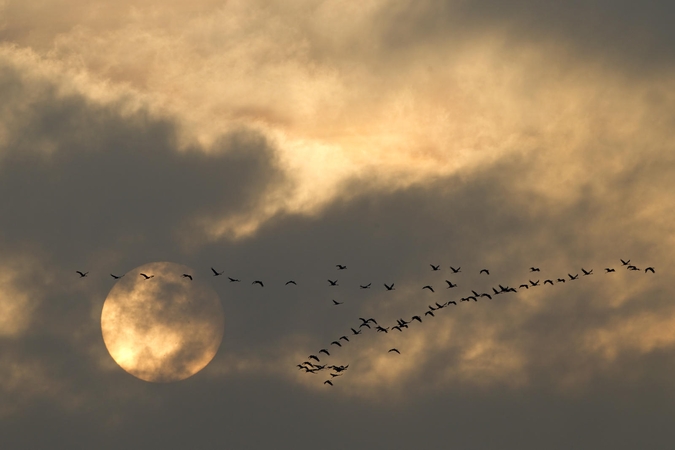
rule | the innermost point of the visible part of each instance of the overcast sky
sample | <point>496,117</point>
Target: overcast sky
<point>275,139</point>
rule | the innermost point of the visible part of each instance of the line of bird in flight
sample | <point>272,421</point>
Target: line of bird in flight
<point>338,370</point>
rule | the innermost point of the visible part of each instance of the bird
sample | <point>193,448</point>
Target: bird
<point>364,325</point>
<point>524,286</point>
<point>335,375</point>
<point>389,288</point>
<point>440,306</point>
<point>233,280</point>
<point>368,320</point>
<point>185,275</point>
<point>587,272</point>
<point>534,269</point>
<point>573,277</point>
<point>258,282</point>
<point>484,295</point>
<point>82,274</point>
<point>380,329</point>
<point>487,272</point>
<point>561,280</point>
<point>450,285</point>
<point>608,270</point>
<point>337,303</point>
<point>534,283</point>
<point>624,263</point>
<point>397,327</point>
<point>147,277</point>
<point>394,350</point>
<point>650,269</point>
<point>365,286</point>
<point>290,282</point>
<point>345,338</point>
<point>313,357</point>
<point>336,343</point>
<point>429,313</point>
<point>417,318</point>
<point>632,267</point>
<point>438,267</point>
<point>116,277</point>
<point>333,283</point>
<point>355,332</point>
<point>549,282</point>
<point>340,267</point>
<point>454,302</point>
<point>328,382</point>
<point>428,287</point>
<point>323,350</point>
<point>215,272</point>
<point>457,270</point>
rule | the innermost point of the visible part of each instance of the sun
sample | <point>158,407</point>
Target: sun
<point>164,328</point>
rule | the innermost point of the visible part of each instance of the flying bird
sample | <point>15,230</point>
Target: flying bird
<point>484,295</point>
<point>457,270</point>
<point>233,280</point>
<point>397,327</point>
<point>290,282</point>
<point>215,272</point>
<point>185,275</point>
<point>313,357</point>
<point>549,282</point>
<point>258,282</point>
<point>389,288</point>
<point>455,303</point>
<point>608,270</point>
<point>116,277</point>
<point>534,283</point>
<point>394,350</point>
<point>323,350</point>
<point>368,320</point>
<point>587,272</point>
<point>355,332</point>
<point>337,303</point>
<point>429,313</point>
<point>340,267</point>
<point>147,277</point>
<point>336,343</point>
<point>417,318</point>
<point>381,329</point>
<point>428,287</point>
<point>364,325</point>
<point>365,286</point>
<point>650,269</point>
<point>487,272</point>
<point>624,263</point>
<point>561,280</point>
<point>328,382</point>
<point>573,277</point>
<point>534,269</point>
<point>345,338</point>
<point>524,286</point>
<point>438,267</point>
<point>82,274</point>
<point>450,285</point>
<point>333,283</point>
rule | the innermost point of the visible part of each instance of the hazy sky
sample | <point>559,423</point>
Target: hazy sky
<point>275,139</point>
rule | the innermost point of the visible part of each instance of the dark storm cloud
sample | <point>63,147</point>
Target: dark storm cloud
<point>637,35</point>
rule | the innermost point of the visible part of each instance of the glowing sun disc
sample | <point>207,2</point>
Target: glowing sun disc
<point>165,328</point>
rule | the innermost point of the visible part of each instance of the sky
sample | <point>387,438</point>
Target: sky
<point>273,140</point>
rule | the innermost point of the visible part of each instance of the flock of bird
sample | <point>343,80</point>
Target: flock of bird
<point>313,363</point>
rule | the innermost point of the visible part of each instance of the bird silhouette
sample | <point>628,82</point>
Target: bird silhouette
<point>586,272</point>
<point>534,283</point>
<point>355,332</point>
<point>333,283</point>
<point>624,263</point>
<point>365,286</point>
<point>364,325</point>
<point>417,318</point>
<point>337,303</point>
<point>561,280</point>
<point>313,357</point>
<point>336,343</point>
<point>450,285</point>
<point>389,288</point>
<point>116,277</point>
<point>438,267</point>
<point>524,286</point>
<point>328,382</point>
<point>455,303</point>
<point>233,280</point>
<point>323,350</point>
<point>484,295</point>
<point>650,269</point>
<point>549,282</point>
<point>258,282</point>
<point>82,274</point>
<point>290,282</point>
<point>340,267</point>
<point>632,268</point>
<point>429,313</point>
<point>397,327</point>
<point>573,277</point>
<point>147,277</point>
<point>381,329</point>
<point>345,338</point>
<point>428,287</point>
<point>394,350</point>
<point>534,269</point>
<point>457,270</point>
<point>368,320</point>
<point>609,270</point>
<point>215,272</point>
<point>185,275</point>
<point>487,272</point>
